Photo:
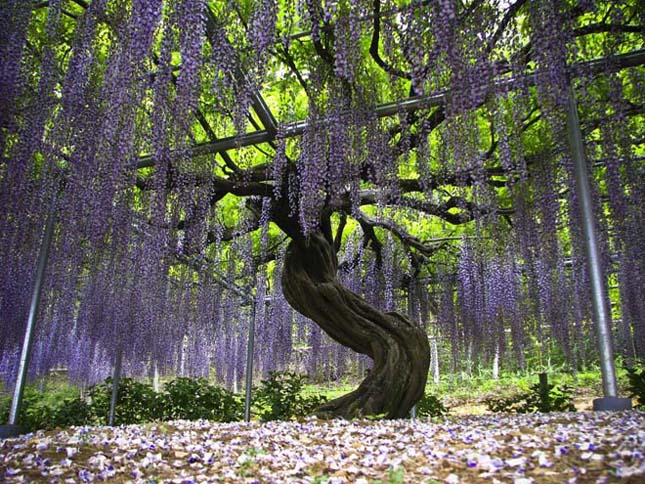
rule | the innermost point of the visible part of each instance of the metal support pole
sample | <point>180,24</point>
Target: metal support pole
<point>249,365</point>
<point>116,377</point>
<point>12,428</point>
<point>598,289</point>
<point>434,358</point>
<point>544,389</point>
<point>413,410</point>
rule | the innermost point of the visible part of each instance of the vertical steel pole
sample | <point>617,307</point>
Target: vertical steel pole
<point>598,289</point>
<point>413,410</point>
<point>434,355</point>
<point>249,365</point>
<point>116,377</point>
<point>156,378</point>
<point>23,367</point>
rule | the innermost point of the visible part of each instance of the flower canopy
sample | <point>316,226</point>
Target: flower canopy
<point>182,143</point>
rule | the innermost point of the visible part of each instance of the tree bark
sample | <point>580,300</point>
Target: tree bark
<point>399,349</point>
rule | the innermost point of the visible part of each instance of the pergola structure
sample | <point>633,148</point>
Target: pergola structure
<point>268,130</point>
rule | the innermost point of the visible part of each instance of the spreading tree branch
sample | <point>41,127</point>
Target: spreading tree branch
<point>339,231</point>
<point>368,223</point>
<point>508,16</point>
<point>374,45</point>
<point>370,240</point>
<point>602,27</point>
<point>283,54</point>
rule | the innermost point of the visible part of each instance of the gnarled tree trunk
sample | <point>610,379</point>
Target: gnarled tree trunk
<point>399,349</point>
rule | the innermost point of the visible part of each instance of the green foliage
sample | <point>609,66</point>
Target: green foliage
<point>430,406</point>
<point>393,476</point>
<point>49,410</point>
<point>5,405</point>
<point>589,378</point>
<point>550,399</point>
<point>396,476</point>
<point>466,387</point>
<point>320,479</point>
<point>70,411</point>
<point>189,399</point>
<point>280,397</point>
<point>136,402</point>
<point>375,417</point>
<point>183,398</point>
<point>636,386</point>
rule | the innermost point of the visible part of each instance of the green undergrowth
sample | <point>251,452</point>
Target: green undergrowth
<point>288,395</point>
<point>464,389</point>
<point>636,386</point>
<point>470,393</point>
<point>280,396</point>
<point>57,405</point>
<point>137,402</point>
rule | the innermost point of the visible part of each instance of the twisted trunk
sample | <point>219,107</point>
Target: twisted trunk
<point>399,349</point>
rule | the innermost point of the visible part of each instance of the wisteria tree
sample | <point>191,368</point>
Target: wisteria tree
<point>164,132</point>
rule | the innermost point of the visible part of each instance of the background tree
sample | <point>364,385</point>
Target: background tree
<point>187,144</point>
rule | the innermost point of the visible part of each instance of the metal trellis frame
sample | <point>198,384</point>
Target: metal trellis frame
<point>116,380</point>
<point>610,401</point>
<point>250,349</point>
<point>410,104</point>
<point>13,428</point>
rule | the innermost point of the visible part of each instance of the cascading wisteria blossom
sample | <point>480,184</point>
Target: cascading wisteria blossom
<point>15,17</point>
<point>262,28</point>
<point>189,12</point>
<point>550,41</point>
<point>134,119</point>
<point>347,32</point>
<point>389,270</point>
<point>620,165</point>
<point>312,171</point>
<point>24,202</point>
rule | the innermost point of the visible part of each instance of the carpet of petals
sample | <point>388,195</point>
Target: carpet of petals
<point>540,448</point>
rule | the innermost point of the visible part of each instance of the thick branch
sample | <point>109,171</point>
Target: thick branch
<point>374,46</point>
<point>339,231</point>
<point>370,240</point>
<point>608,28</point>
<point>508,16</point>
<point>406,238</point>
<point>285,56</point>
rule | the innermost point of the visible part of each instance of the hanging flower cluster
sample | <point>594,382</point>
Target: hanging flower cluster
<point>113,81</point>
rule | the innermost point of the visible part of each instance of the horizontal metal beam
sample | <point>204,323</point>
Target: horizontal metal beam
<point>631,59</point>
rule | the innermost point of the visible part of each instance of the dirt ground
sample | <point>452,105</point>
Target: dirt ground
<point>581,447</point>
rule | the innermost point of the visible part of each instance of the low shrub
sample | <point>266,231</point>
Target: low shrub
<point>636,386</point>
<point>53,409</point>
<point>5,406</point>
<point>430,406</point>
<point>550,399</point>
<point>280,397</point>
<point>189,399</point>
<point>136,402</point>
